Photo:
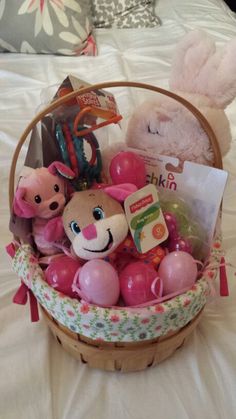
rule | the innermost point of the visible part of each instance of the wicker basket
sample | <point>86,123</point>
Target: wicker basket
<point>118,353</point>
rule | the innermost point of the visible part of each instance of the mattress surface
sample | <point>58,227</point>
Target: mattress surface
<point>37,378</point>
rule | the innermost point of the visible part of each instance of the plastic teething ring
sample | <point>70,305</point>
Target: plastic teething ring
<point>93,148</point>
<point>70,148</point>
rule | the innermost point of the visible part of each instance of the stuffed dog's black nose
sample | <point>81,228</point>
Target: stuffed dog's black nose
<point>53,206</point>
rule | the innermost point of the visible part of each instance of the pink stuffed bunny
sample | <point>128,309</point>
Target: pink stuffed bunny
<point>207,79</point>
<point>41,195</point>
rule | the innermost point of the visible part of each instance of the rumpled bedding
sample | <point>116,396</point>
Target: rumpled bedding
<point>37,378</point>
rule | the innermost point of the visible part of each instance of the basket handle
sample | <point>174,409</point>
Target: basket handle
<point>202,120</point>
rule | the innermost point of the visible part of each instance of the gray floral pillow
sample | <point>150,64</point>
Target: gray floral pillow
<point>46,27</point>
<point>124,14</point>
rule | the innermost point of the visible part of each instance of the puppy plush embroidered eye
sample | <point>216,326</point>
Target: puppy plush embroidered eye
<point>95,222</point>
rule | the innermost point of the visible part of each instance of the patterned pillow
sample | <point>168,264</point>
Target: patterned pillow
<point>46,27</point>
<point>124,14</point>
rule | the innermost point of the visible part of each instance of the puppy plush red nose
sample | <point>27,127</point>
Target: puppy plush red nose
<point>90,232</point>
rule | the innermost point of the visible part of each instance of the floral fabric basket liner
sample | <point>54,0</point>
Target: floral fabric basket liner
<point>118,323</point>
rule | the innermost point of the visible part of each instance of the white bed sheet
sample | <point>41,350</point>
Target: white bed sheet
<point>37,378</point>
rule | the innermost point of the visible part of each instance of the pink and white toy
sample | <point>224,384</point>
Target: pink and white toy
<point>94,221</point>
<point>206,77</point>
<point>41,195</point>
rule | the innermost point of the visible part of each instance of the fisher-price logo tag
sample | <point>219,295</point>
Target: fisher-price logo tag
<point>141,203</point>
<point>145,218</point>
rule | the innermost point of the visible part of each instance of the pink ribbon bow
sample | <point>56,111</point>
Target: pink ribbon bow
<point>21,298</point>
<point>23,291</point>
<point>224,289</point>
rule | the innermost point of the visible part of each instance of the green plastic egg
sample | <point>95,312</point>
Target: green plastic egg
<point>197,237</point>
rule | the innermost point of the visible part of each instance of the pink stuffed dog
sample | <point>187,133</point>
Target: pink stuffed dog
<point>41,195</point>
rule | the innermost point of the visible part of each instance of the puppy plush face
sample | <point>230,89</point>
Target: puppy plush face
<point>41,193</point>
<point>95,223</point>
<point>45,193</point>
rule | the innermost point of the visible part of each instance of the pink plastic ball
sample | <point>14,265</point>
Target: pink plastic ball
<point>178,270</point>
<point>135,282</point>
<point>99,283</point>
<point>180,243</point>
<point>60,274</point>
<point>127,166</point>
<point>171,223</point>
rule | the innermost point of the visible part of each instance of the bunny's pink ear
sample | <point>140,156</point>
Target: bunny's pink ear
<point>20,207</point>
<point>191,55</point>
<point>57,167</point>
<point>120,192</point>
<point>198,67</point>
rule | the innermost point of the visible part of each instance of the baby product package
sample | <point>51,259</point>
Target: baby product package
<point>200,187</point>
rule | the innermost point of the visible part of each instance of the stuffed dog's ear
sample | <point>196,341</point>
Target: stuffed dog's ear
<point>120,192</point>
<point>58,168</point>
<point>20,207</point>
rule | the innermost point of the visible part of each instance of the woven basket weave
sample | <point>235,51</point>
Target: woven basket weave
<point>117,355</point>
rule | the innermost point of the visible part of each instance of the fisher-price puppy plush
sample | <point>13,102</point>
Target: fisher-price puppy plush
<point>206,77</point>
<point>96,225</point>
<point>95,222</point>
<point>41,195</point>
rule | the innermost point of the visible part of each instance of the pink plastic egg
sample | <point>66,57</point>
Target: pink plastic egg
<point>180,243</point>
<point>60,274</point>
<point>177,270</point>
<point>136,284</point>
<point>127,166</point>
<point>99,283</point>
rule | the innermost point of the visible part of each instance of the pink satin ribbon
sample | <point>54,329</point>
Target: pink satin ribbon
<point>224,289</point>
<point>21,297</point>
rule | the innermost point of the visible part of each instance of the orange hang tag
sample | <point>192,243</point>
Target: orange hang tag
<point>145,218</point>
<point>109,117</point>
<point>86,108</point>
<point>98,103</point>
